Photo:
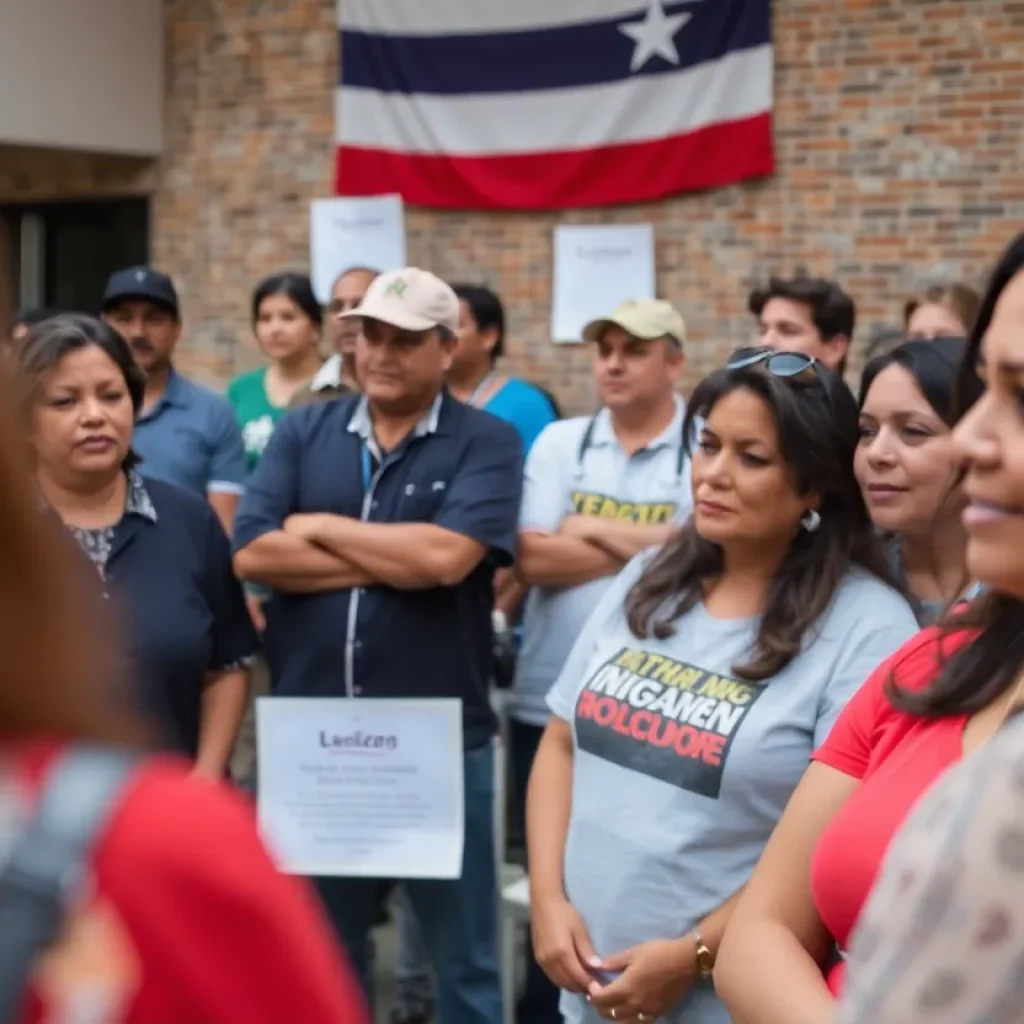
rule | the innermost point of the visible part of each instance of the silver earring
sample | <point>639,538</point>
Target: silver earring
<point>811,520</point>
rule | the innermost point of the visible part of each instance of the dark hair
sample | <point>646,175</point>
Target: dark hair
<point>487,310</point>
<point>48,342</point>
<point>961,299</point>
<point>884,340</point>
<point>832,311</point>
<point>35,315</point>
<point>817,429</point>
<point>980,671</point>
<point>296,287</point>
<point>935,367</point>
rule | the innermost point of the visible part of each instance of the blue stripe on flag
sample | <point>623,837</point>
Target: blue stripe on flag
<point>552,58</point>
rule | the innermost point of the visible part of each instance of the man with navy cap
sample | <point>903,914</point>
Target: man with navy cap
<point>186,434</point>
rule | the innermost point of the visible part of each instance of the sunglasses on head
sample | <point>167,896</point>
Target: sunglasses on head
<point>787,365</point>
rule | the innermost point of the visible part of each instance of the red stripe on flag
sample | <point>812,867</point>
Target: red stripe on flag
<point>720,154</point>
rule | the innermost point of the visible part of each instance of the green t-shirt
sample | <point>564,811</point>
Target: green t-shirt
<point>256,414</point>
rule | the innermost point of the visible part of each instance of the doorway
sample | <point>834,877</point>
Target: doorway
<point>60,254</point>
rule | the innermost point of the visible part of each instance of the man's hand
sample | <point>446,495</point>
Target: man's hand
<point>583,527</point>
<point>655,977</point>
<point>620,538</point>
<point>306,525</point>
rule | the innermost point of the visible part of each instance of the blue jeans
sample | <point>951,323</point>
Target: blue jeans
<point>458,918</point>
<point>414,988</point>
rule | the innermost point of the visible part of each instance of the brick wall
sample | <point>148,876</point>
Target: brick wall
<point>900,151</point>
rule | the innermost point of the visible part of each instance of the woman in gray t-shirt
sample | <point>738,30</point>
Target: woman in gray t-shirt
<point>690,704</point>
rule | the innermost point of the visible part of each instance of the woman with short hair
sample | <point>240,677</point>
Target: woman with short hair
<point>687,710</point>
<point>160,552</point>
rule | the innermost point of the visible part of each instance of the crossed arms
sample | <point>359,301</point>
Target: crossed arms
<point>318,552</point>
<point>584,548</point>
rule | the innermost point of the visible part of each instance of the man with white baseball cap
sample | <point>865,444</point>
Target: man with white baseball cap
<point>378,520</point>
<point>599,489</point>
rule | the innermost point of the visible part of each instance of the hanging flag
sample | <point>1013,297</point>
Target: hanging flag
<point>547,104</point>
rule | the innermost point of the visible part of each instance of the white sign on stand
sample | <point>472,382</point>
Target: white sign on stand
<point>362,788</point>
<point>596,269</point>
<point>347,231</point>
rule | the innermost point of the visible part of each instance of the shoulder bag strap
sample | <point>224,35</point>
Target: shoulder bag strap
<point>48,863</point>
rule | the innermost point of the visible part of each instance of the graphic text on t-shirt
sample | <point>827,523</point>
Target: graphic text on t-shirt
<point>664,718</point>
<point>585,503</point>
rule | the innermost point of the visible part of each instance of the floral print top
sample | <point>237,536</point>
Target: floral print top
<point>97,543</point>
<point>941,940</point>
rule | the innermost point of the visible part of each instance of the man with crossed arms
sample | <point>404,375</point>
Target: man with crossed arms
<point>379,519</point>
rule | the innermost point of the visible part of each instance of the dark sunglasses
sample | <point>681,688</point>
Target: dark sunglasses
<point>787,365</point>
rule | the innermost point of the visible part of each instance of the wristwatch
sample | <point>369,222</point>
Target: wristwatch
<point>705,958</point>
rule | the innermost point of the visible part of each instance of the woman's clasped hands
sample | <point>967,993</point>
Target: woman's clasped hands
<point>638,984</point>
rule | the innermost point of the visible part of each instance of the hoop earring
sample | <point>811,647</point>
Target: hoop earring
<point>811,520</point>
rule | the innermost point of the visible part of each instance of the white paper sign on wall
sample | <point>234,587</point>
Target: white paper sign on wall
<point>348,231</point>
<point>597,268</point>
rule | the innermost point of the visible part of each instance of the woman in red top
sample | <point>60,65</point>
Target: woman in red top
<point>941,939</point>
<point>935,702</point>
<point>180,917</point>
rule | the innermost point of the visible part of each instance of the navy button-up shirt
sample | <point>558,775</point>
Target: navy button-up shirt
<point>191,438</point>
<point>461,469</point>
<point>167,569</point>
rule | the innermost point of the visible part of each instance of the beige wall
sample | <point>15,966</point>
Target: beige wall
<point>82,74</point>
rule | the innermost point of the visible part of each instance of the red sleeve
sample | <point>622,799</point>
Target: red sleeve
<point>854,737</point>
<point>234,939</point>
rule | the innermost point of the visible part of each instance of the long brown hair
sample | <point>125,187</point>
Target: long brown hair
<point>57,678</point>
<point>981,671</point>
<point>817,425</point>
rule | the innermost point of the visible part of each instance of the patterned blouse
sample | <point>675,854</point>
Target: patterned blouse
<point>98,543</point>
<point>941,940</point>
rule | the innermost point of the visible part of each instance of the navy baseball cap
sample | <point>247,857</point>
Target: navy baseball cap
<point>141,283</point>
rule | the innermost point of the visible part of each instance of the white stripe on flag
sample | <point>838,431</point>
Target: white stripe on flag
<point>458,17</point>
<point>737,86</point>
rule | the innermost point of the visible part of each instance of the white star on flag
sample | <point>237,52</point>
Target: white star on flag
<point>655,35</point>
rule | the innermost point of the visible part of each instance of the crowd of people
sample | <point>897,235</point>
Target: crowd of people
<point>741,636</point>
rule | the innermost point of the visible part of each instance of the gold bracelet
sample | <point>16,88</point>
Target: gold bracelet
<point>705,958</point>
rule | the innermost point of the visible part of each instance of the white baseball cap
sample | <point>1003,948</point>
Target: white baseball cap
<point>410,299</point>
<point>646,319</point>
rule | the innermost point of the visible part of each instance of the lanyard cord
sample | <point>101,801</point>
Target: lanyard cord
<point>588,439</point>
<point>367,467</point>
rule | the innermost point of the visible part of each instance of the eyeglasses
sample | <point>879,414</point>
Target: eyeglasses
<point>787,365</point>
